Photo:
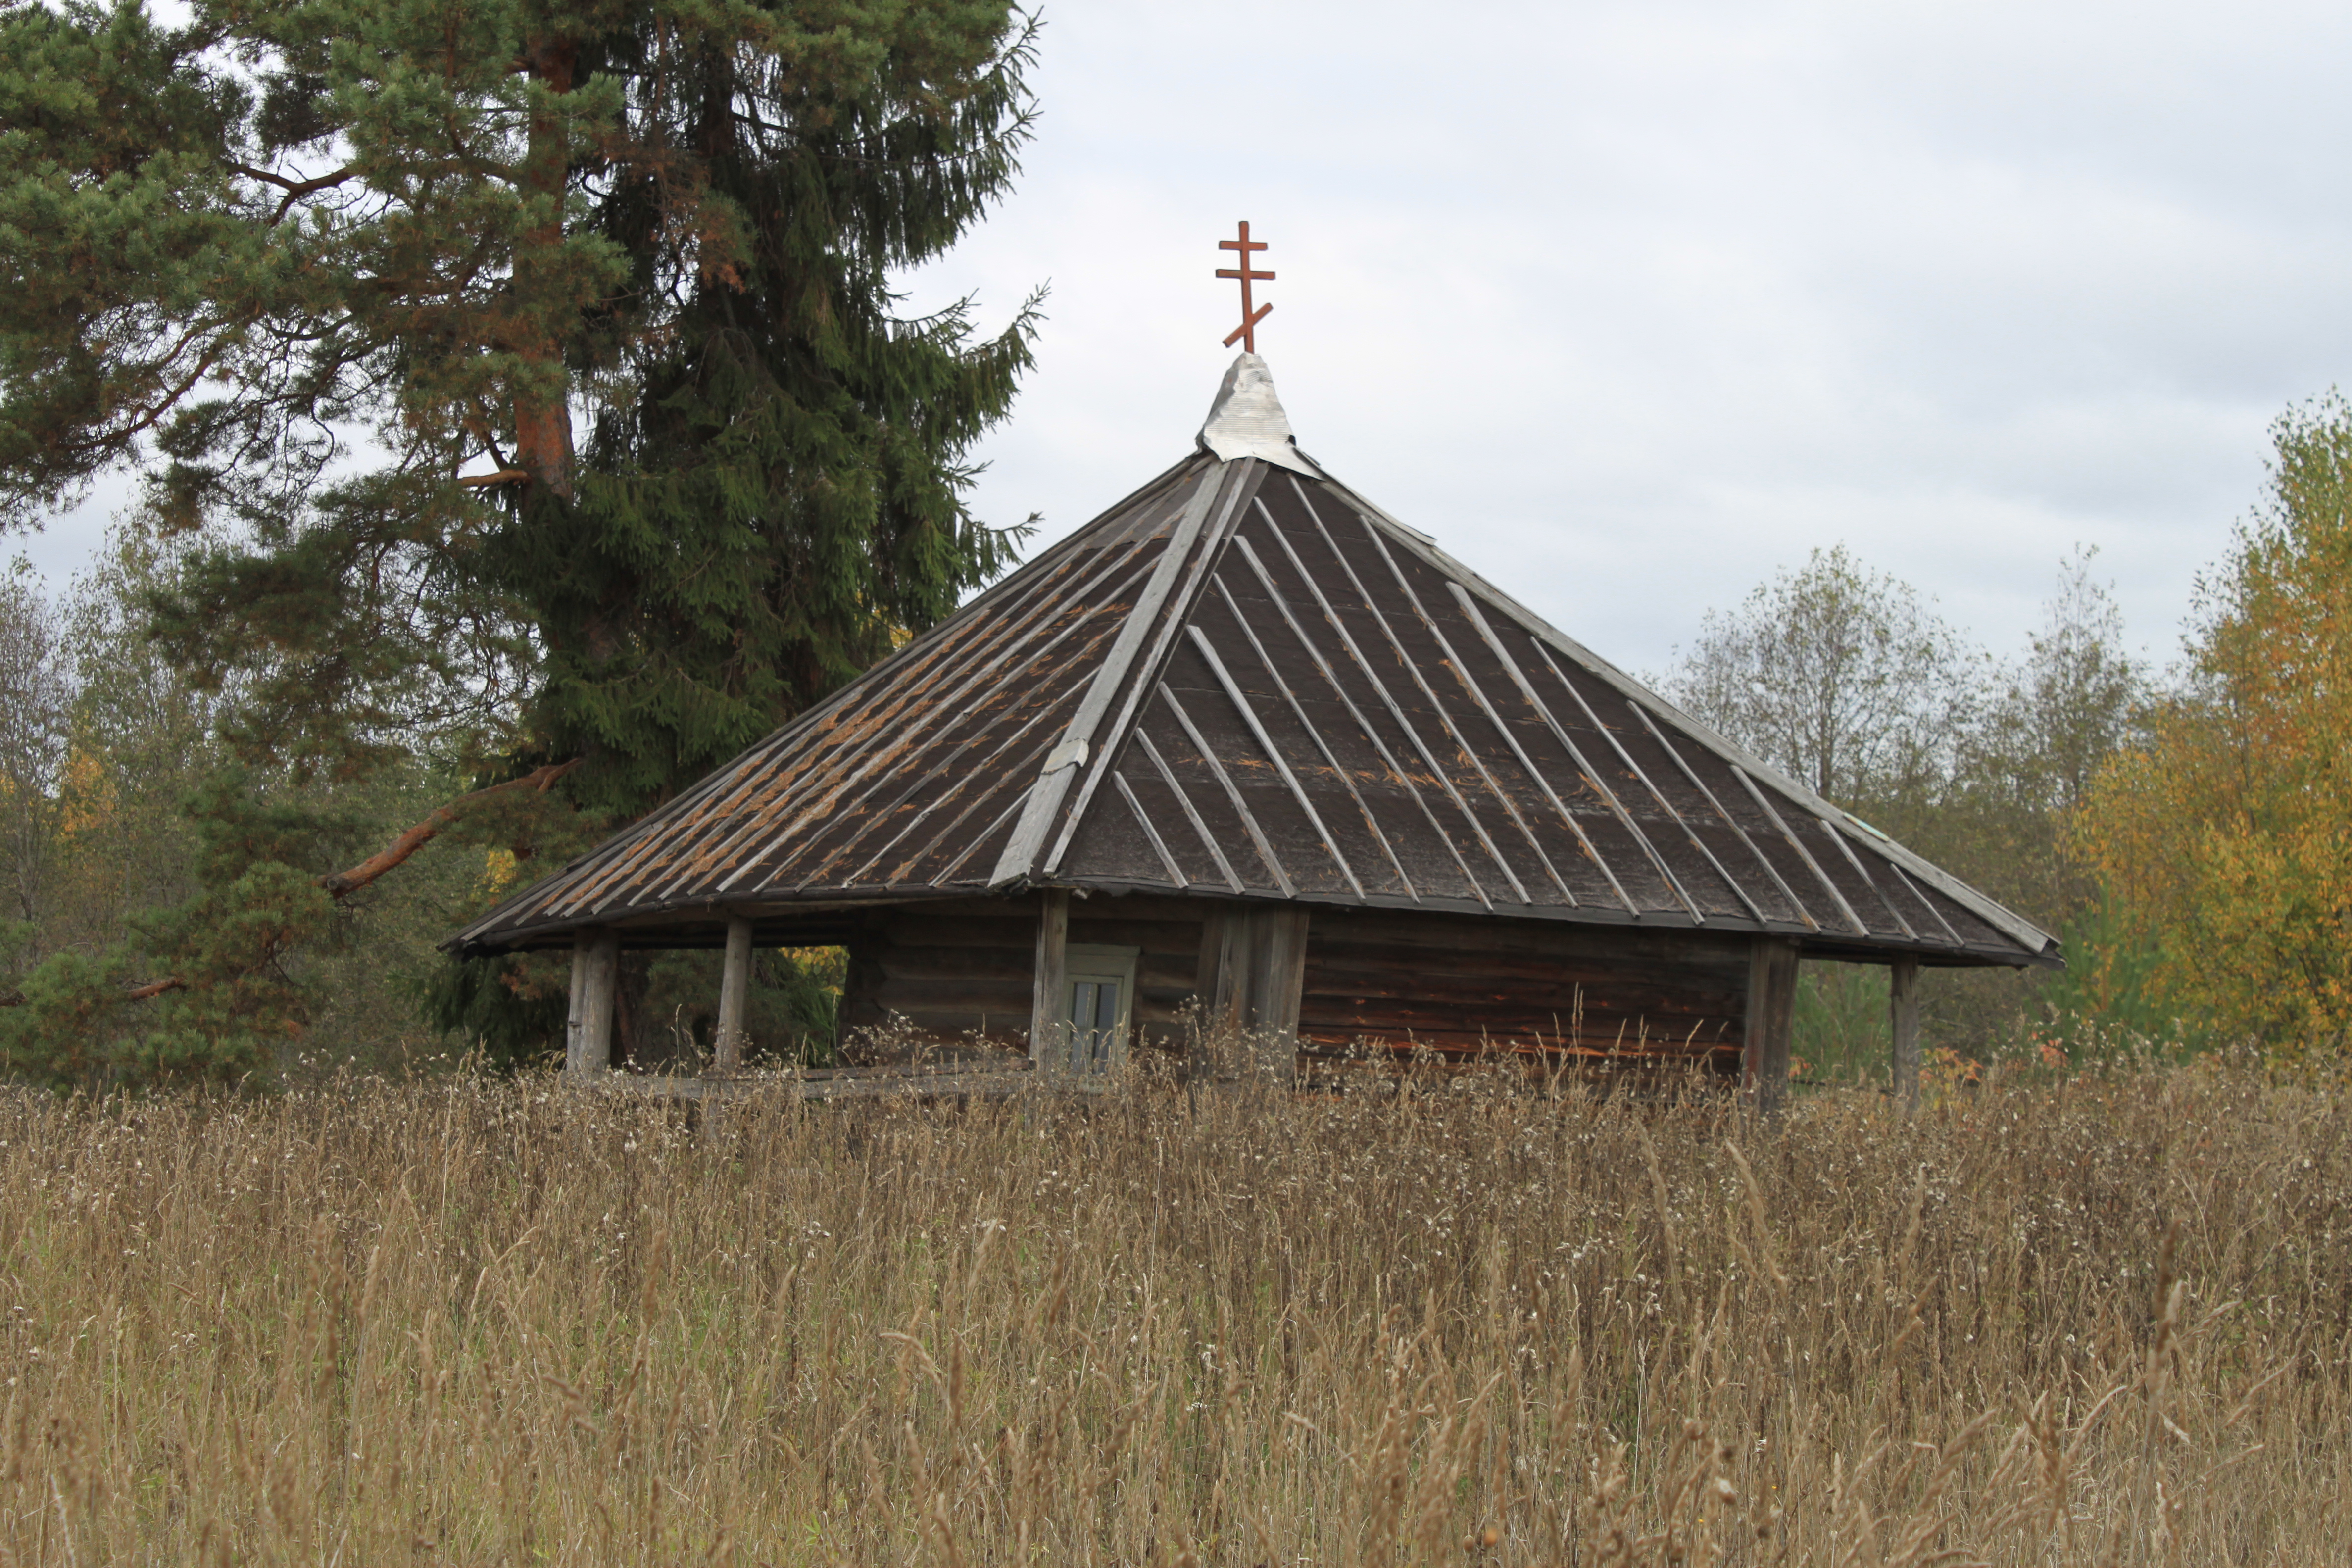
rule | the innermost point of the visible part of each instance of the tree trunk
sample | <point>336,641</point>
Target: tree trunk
<point>543,407</point>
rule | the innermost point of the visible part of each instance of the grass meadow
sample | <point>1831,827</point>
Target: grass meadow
<point>2098,1318</point>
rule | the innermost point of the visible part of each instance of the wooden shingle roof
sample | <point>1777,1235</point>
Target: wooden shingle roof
<point>1245,680</point>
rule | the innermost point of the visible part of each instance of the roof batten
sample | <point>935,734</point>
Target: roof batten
<point>1852,918</point>
<point>1624,755</point>
<point>1143,821</point>
<point>949,704</point>
<point>1338,768</point>
<point>1035,591</point>
<point>1235,480</point>
<point>1240,700</point>
<point>1208,754</point>
<point>1869,881</point>
<point>1192,812</point>
<point>1787,892</point>
<point>1372,733</point>
<point>1462,741</point>
<point>1575,754</point>
<point>1438,769</point>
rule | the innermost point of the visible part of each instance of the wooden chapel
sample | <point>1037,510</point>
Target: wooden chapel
<point>1247,743</point>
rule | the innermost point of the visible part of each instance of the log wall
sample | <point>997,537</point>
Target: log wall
<point>1459,984</point>
<point>958,974</point>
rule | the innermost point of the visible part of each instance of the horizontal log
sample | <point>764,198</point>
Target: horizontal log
<point>936,962</point>
<point>1467,1000</point>
<point>1151,936</point>
<point>1518,958</point>
<point>1370,947</point>
<point>1442,927</point>
<point>1468,981</point>
<point>1472,1011</point>
<point>1013,931</point>
<point>1136,906</point>
<point>954,991</point>
<point>1341,1048</point>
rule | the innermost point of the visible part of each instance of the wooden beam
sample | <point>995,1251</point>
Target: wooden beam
<point>1903,1016</point>
<point>1772,1022</point>
<point>734,996</point>
<point>1049,1002</point>
<point>600,981</point>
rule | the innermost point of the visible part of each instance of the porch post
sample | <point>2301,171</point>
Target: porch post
<point>734,996</point>
<point>1902,1018</point>
<point>600,975</point>
<point>1771,1020</point>
<point>1049,998</point>
<point>575,1016</point>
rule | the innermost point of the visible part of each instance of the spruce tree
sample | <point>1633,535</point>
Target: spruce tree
<point>529,374</point>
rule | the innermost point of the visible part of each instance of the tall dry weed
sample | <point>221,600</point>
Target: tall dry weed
<point>2102,1319</point>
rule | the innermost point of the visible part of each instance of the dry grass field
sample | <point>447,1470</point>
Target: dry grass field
<point>2104,1318</point>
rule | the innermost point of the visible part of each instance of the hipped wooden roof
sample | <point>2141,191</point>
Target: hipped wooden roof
<point>1245,680</point>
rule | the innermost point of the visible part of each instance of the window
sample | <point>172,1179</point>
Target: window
<point>1099,1004</point>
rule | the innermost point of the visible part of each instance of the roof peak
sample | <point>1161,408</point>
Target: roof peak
<point>1246,420</point>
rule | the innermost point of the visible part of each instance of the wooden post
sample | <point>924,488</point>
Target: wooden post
<point>1902,1018</point>
<point>599,979</point>
<point>1224,979</point>
<point>1049,1001</point>
<point>1278,971</point>
<point>734,997</point>
<point>1252,963</point>
<point>1771,1021</point>
<point>576,1017</point>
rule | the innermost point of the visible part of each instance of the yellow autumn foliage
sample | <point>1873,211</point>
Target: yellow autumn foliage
<point>2224,838</point>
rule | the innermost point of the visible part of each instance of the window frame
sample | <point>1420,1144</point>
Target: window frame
<point>1096,963</point>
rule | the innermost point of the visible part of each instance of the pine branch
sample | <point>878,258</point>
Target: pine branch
<point>343,883</point>
<point>294,189</point>
<point>130,993</point>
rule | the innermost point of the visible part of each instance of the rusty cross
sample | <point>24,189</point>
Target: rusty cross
<point>1247,330</point>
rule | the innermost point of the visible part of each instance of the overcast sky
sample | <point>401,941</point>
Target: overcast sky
<point>1631,304</point>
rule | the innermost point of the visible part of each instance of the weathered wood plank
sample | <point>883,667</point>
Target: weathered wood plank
<point>1049,1030</point>
<point>1253,961</point>
<point>576,1014</point>
<point>599,985</point>
<point>1770,1024</point>
<point>1902,1020</point>
<point>734,994</point>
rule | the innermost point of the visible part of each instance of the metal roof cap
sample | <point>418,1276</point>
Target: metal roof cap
<point>1247,421</point>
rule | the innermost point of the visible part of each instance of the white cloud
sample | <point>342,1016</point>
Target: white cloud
<point>1631,303</point>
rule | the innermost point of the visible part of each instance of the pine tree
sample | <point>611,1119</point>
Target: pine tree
<point>281,238</point>
<point>528,372</point>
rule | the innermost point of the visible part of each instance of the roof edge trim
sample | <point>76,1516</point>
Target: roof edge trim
<point>1067,759</point>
